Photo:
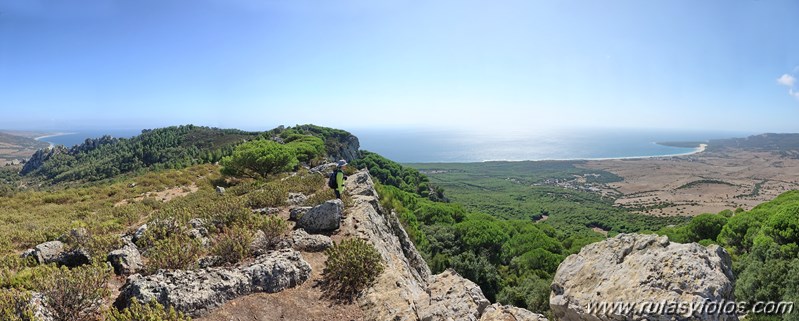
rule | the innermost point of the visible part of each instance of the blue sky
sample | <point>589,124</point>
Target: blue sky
<point>483,65</point>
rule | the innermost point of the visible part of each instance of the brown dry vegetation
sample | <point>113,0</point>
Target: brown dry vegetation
<point>32,217</point>
<point>708,182</point>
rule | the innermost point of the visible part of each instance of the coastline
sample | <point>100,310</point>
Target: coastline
<point>51,135</point>
<point>697,150</point>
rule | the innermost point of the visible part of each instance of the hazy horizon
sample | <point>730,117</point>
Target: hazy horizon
<point>356,64</point>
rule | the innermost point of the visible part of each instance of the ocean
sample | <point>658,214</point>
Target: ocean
<point>431,145</point>
<point>72,137</point>
<point>422,146</point>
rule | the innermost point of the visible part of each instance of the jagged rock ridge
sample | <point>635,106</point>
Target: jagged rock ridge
<point>407,290</point>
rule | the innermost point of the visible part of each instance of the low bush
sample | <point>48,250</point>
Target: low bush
<point>232,245</point>
<point>145,312</point>
<point>271,195</point>
<point>351,266</point>
<point>76,294</point>
<point>305,182</point>
<point>244,188</point>
<point>14,306</point>
<point>274,229</point>
<point>323,196</point>
<point>178,252</point>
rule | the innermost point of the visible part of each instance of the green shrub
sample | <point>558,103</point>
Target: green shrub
<point>145,312</point>
<point>178,252</point>
<point>274,229</point>
<point>325,195</point>
<point>306,183</point>
<point>24,274</point>
<point>157,230</point>
<point>260,158</point>
<point>233,244</point>
<point>244,188</point>
<point>76,294</point>
<point>705,227</point>
<point>309,149</point>
<point>532,293</point>
<point>223,212</point>
<point>270,196</point>
<point>14,306</point>
<point>351,266</point>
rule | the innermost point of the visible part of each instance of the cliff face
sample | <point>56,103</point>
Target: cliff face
<point>407,290</point>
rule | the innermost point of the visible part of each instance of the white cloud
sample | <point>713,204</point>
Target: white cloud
<point>786,80</point>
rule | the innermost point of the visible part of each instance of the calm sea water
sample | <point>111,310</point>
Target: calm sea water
<point>427,145</point>
<point>78,137</point>
<point>408,146</point>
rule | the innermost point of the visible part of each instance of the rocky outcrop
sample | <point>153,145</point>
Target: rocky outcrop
<point>498,312</point>
<point>296,198</point>
<point>40,156</point>
<point>139,233</point>
<point>642,270</point>
<point>297,212</point>
<point>453,298</point>
<point>127,260</point>
<point>198,231</point>
<point>322,218</point>
<point>40,312</point>
<point>403,283</point>
<point>302,241</point>
<point>74,258</point>
<point>45,253</point>
<point>53,252</point>
<point>406,290</point>
<point>198,292</point>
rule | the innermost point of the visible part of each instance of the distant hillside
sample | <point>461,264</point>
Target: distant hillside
<point>171,147</point>
<point>17,147</point>
<point>786,144</point>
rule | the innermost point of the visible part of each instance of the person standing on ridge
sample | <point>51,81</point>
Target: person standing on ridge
<point>337,178</point>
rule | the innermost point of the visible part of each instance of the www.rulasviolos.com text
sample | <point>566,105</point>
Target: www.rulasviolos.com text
<point>688,308</point>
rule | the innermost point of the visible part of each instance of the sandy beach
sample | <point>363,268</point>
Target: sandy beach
<point>52,135</point>
<point>699,182</point>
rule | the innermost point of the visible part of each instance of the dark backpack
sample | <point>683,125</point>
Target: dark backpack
<point>331,181</point>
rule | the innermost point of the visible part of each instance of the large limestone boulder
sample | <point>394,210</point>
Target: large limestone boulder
<point>643,270</point>
<point>297,212</point>
<point>127,260</point>
<point>54,252</point>
<point>198,292</point>
<point>498,312</point>
<point>302,241</point>
<point>322,218</point>
<point>48,252</point>
<point>453,298</point>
